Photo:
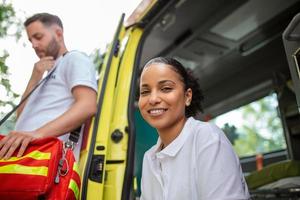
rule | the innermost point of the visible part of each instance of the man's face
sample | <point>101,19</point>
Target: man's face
<point>44,39</point>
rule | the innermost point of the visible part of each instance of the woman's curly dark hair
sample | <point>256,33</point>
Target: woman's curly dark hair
<point>188,80</point>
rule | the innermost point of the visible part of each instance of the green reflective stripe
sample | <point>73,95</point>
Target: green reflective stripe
<point>21,169</point>
<point>37,155</point>
<point>74,187</point>
<point>76,168</point>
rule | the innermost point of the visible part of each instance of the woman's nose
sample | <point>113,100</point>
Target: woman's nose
<point>154,98</point>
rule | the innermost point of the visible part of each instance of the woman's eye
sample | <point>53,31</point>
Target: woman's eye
<point>144,92</point>
<point>166,89</point>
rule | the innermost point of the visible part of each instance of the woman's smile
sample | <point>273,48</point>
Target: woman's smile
<point>157,111</point>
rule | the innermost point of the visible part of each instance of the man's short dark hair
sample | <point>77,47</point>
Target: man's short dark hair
<point>46,18</point>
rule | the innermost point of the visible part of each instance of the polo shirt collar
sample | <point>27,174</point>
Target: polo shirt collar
<point>173,148</point>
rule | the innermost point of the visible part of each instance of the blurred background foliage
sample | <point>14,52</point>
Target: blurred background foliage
<point>10,26</point>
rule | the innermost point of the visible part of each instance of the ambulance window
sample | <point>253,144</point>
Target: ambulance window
<point>254,128</point>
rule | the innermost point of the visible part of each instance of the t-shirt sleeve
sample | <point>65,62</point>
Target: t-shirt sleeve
<point>80,71</point>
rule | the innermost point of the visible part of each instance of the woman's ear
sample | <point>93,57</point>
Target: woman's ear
<point>188,96</point>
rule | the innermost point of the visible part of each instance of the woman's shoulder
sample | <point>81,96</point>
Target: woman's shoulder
<point>200,126</point>
<point>207,135</point>
<point>206,131</point>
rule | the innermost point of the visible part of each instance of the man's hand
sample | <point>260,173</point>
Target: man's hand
<point>13,140</point>
<point>44,64</point>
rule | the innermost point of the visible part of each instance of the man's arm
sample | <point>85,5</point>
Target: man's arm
<point>45,63</point>
<point>84,106</point>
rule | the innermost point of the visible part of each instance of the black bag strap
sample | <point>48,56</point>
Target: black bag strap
<point>75,134</point>
<point>26,97</point>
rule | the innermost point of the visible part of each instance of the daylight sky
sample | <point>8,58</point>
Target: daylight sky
<point>88,25</point>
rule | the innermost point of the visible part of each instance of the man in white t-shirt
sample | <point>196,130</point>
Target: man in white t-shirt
<point>63,102</point>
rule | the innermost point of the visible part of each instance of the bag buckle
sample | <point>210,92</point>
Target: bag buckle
<point>60,170</point>
<point>70,145</point>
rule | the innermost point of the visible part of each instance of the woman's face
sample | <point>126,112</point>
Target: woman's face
<point>162,96</point>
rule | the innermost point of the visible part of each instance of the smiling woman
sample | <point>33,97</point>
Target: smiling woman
<point>169,99</point>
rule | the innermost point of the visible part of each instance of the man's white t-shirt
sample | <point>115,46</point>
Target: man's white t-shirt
<point>199,164</point>
<point>54,97</point>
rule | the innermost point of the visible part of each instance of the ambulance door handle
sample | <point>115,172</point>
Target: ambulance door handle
<point>97,166</point>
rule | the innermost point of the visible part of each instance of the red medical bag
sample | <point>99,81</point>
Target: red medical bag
<point>47,170</point>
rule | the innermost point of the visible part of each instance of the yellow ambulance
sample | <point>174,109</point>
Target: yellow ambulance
<point>244,61</point>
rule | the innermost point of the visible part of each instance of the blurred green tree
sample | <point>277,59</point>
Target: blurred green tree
<point>262,129</point>
<point>231,132</point>
<point>10,26</point>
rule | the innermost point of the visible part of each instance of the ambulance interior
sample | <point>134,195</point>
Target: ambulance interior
<point>235,48</point>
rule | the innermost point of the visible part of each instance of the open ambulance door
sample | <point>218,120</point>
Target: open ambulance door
<point>106,162</point>
<point>291,41</point>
